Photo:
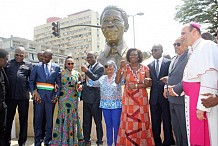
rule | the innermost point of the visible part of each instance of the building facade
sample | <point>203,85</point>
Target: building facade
<point>32,48</point>
<point>74,40</point>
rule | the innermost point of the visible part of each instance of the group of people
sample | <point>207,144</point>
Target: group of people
<point>183,92</point>
<point>48,84</point>
<point>191,88</point>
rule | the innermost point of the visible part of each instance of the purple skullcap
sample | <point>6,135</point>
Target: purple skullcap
<point>196,25</point>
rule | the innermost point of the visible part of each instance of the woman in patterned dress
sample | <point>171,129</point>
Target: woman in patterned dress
<point>135,127</point>
<point>67,130</point>
<point>111,100</point>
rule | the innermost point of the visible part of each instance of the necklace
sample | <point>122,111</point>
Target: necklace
<point>70,73</point>
<point>134,66</point>
<point>136,72</point>
<point>109,80</point>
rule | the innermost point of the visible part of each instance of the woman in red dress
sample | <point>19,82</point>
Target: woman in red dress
<point>135,127</point>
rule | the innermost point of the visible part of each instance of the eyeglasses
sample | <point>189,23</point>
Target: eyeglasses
<point>176,44</point>
<point>19,55</point>
<point>70,63</point>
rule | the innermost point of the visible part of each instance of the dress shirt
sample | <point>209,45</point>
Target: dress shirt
<point>92,66</point>
<point>49,66</point>
<point>160,60</point>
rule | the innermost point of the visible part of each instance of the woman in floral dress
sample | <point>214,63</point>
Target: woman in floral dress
<point>111,100</point>
<point>67,130</point>
<point>135,127</point>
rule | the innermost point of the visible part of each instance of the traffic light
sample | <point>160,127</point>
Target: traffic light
<point>56,29</point>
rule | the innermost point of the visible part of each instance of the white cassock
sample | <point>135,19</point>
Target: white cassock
<point>203,67</point>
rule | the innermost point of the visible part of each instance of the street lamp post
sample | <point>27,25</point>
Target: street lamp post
<point>133,24</point>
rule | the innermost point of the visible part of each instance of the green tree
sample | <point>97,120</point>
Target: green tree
<point>201,11</point>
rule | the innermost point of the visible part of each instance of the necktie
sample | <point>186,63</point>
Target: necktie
<point>157,68</point>
<point>175,62</point>
<point>46,71</point>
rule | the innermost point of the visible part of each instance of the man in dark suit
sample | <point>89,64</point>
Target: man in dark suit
<point>18,72</point>
<point>40,59</point>
<point>159,105</point>
<point>3,86</point>
<point>173,91</point>
<point>43,79</point>
<point>91,100</point>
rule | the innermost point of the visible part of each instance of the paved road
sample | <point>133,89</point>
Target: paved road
<point>30,142</point>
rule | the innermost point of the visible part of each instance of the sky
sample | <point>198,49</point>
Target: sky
<point>157,25</point>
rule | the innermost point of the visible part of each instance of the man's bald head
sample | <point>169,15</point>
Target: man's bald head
<point>92,53</point>
<point>19,53</point>
<point>19,50</point>
<point>48,51</point>
<point>47,56</point>
<point>91,57</point>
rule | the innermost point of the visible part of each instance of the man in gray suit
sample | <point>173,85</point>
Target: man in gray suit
<point>173,91</point>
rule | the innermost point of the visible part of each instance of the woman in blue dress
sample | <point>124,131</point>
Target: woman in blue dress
<point>67,130</point>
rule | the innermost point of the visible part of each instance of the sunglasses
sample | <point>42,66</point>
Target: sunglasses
<point>176,44</point>
<point>19,55</point>
<point>108,66</point>
<point>70,63</point>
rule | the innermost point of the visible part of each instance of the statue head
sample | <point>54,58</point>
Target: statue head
<point>114,22</point>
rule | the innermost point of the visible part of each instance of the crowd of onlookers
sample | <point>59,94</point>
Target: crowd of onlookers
<point>183,97</point>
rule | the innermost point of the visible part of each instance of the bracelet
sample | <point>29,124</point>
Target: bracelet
<point>136,86</point>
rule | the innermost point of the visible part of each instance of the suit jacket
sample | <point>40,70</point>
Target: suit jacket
<point>157,88</point>
<point>38,75</point>
<point>92,94</point>
<point>175,77</point>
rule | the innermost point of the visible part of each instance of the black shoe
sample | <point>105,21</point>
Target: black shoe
<point>99,143</point>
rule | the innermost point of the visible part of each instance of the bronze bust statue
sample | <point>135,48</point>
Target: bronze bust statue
<point>114,22</point>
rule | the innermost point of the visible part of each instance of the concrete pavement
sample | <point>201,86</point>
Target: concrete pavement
<point>30,142</point>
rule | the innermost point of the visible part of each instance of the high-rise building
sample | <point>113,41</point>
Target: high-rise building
<point>74,40</point>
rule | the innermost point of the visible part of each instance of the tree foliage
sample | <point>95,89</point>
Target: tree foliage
<point>201,11</point>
